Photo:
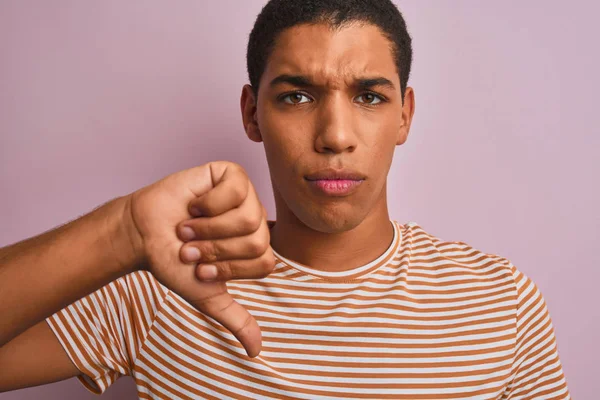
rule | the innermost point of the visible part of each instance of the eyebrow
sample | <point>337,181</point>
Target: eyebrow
<point>368,83</point>
<point>361,83</point>
<point>295,80</point>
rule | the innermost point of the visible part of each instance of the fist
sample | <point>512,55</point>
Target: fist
<point>199,228</point>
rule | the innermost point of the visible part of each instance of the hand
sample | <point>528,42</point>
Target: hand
<point>199,228</point>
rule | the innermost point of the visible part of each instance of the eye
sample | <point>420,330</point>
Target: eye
<point>295,98</point>
<point>370,98</point>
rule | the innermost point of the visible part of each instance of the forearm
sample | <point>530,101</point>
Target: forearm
<point>41,275</point>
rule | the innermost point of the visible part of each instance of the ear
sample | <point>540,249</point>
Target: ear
<point>408,110</point>
<point>248,105</point>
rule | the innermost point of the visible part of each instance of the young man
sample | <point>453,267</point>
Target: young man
<point>188,297</point>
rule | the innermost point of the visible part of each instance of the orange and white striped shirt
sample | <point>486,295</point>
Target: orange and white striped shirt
<point>428,319</point>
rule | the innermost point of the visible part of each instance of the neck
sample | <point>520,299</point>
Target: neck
<point>332,252</point>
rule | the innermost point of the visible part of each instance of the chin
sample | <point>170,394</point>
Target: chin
<point>330,220</point>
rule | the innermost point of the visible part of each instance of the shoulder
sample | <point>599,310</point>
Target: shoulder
<point>450,260</point>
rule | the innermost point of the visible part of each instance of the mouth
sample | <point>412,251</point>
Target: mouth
<point>332,182</point>
<point>335,174</point>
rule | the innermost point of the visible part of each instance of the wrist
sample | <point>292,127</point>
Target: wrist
<point>123,235</point>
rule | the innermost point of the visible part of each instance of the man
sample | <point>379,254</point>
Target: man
<point>187,287</point>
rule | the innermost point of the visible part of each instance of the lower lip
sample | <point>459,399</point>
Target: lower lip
<point>335,187</point>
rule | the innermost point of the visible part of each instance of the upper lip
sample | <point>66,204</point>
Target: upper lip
<point>335,174</point>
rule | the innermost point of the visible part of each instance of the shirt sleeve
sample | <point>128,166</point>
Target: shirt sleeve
<point>103,332</point>
<point>537,373</point>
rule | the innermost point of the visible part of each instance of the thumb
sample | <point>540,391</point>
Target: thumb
<point>220,305</point>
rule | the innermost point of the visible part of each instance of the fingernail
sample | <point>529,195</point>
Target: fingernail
<point>187,233</point>
<point>191,253</point>
<point>195,212</point>
<point>208,273</point>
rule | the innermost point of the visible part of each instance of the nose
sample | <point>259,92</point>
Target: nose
<point>335,131</point>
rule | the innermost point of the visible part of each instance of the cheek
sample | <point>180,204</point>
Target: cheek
<point>378,162</point>
<point>282,152</point>
<point>285,139</point>
<point>283,157</point>
<point>380,143</point>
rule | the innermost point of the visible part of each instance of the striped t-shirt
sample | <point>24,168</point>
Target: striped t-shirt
<point>428,319</point>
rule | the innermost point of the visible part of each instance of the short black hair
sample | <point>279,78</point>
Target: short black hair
<point>279,15</point>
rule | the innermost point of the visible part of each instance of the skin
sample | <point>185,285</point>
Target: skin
<point>329,123</point>
<point>141,231</point>
<point>335,124</point>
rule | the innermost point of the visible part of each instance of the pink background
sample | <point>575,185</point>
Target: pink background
<point>99,98</point>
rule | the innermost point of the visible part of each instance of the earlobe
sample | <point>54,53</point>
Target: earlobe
<point>248,108</point>
<point>401,137</point>
<point>253,132</point>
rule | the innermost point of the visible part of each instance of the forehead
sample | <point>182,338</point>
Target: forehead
<point>331,55</point>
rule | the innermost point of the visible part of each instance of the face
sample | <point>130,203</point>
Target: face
<point>330,113</point>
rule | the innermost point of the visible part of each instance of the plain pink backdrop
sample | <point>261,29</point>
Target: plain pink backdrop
<point>98,98</point>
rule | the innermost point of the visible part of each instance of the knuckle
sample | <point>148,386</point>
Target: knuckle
<point>206,303</point>
<point>244,325</point>
<point>245,223</point>
<point>268,263</point>
<point>256,245</point>
<point>227,306</point>
<point>210,252</point>
<point>251,222</point>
